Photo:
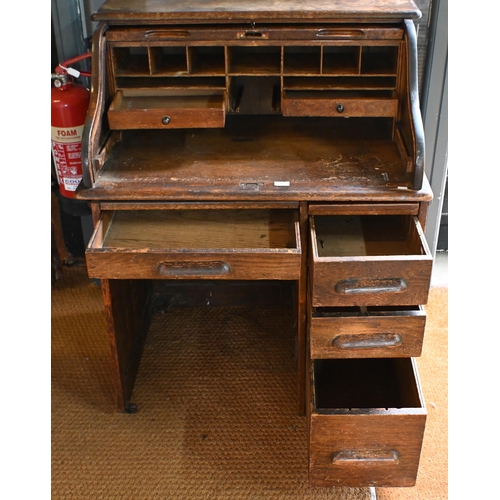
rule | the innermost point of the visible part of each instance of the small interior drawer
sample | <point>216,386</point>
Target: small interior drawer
<point>369,260</point>
<point>365,332</point>
<point>341,104</point>
<point>196,244</point>
<point>154,109</point>
<point>366,422</point>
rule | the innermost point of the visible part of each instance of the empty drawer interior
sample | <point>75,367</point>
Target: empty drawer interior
<point>132,99</point>
<point>201,229</point>
<point>367,235</point>
<point>360,311</point>
<point>365,383</point>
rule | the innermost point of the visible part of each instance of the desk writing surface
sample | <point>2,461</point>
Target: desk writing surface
<point>243,160</point>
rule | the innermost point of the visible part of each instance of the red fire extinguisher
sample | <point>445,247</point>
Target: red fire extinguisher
<point>68,112</point>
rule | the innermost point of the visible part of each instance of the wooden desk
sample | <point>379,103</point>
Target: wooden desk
<point>273,141</point>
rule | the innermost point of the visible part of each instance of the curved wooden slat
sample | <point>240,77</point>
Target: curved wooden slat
<point>93,123</point>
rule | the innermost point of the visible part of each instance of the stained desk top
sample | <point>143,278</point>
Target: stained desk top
<point>320,159</point>
<point>157,11</point>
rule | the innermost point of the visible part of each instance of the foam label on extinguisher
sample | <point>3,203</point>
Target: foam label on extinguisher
<point>67,153</point>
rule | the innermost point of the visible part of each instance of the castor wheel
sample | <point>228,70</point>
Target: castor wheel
<point>131,408</point>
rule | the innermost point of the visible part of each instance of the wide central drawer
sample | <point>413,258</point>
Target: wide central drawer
<point>254,244</point>
<point>369,260</point>
<point>366,422</point>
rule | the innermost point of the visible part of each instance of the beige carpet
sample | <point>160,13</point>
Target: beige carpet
<point>217,414</point>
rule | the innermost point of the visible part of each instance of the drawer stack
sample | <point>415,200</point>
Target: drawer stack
<point>369,274</point>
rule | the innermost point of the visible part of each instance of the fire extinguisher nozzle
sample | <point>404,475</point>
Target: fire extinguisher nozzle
<point>59,79</point>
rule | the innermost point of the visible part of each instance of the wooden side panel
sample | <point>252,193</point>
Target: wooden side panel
<point>410,123</point>
<point>95,130</point>
<point>128,319</point>
<point>422,214</point>
<point>302,353</point>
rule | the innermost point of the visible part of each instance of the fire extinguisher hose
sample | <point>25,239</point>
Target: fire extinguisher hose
<point>62,68</point>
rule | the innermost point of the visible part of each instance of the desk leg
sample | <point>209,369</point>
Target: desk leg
<point>128,318</point>
<point>373,493</point>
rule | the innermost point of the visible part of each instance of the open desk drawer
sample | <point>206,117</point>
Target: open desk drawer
<point>196,244</point>
<point>366,422</point>
<point>367,332</point>
<point>369,260</point>
<point>141,109</point>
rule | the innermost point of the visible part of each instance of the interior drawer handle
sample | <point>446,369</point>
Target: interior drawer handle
<point>253,34</point>
<point>337,34</point>
<point>208,268</point>
<point>166,34</point>
<point>373,341</point>
<point>366,456</point>
<point>372,286</point>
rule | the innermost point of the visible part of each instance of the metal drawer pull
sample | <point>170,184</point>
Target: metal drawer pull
<point>252,34</point>
<point>166,35</point>
<point>376,340</point>
<point>209,268</point>
<point>372,286</point>
<point>364,456</point>
<point>329,33</point>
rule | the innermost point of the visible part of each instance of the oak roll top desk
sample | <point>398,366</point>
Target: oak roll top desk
<point>260,140</point>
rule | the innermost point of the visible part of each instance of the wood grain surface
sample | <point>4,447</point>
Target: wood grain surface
<point>230,10</point>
